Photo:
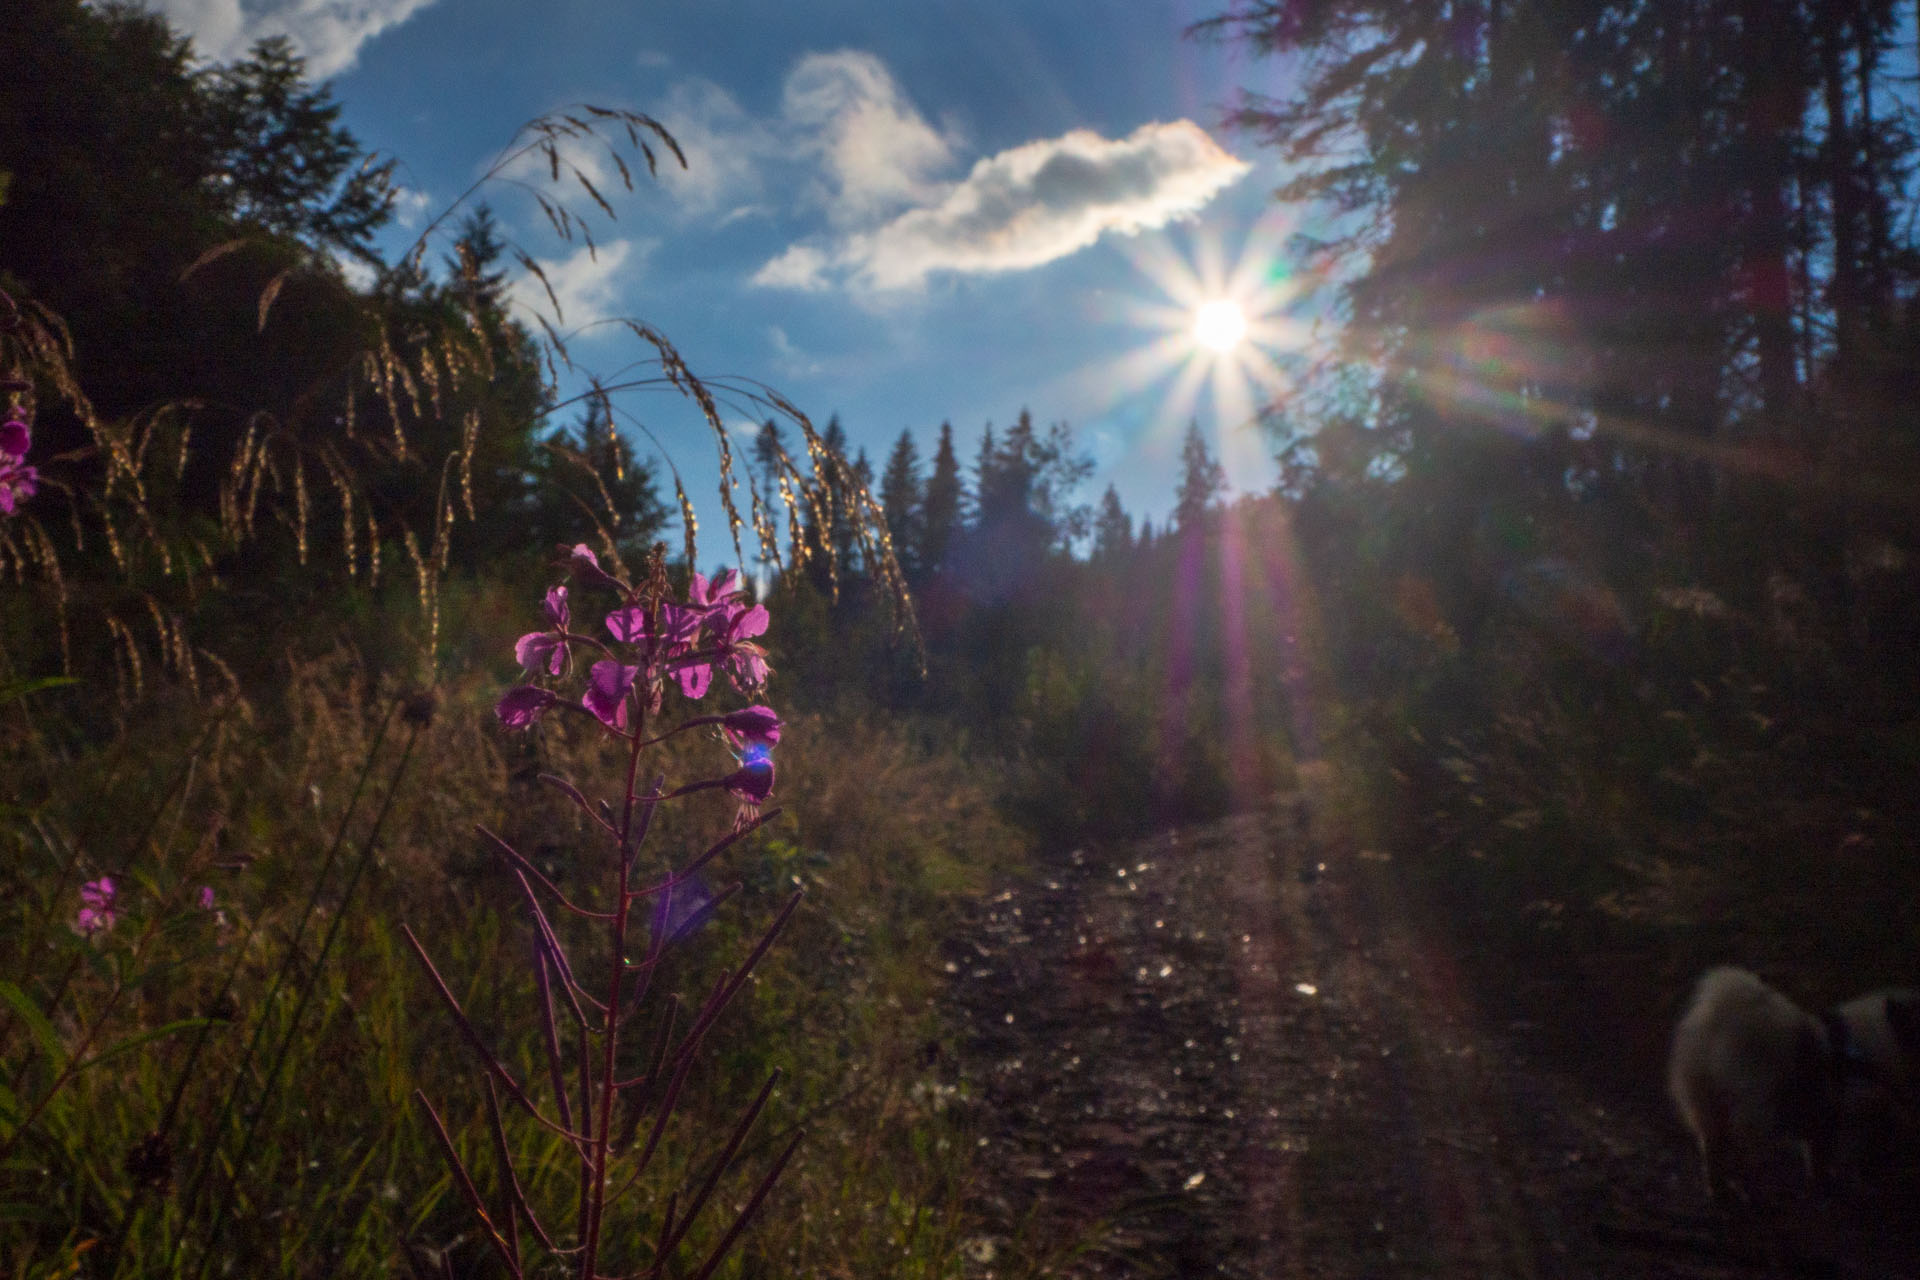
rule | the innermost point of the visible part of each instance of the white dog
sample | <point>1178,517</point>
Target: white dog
<point>1750,1066</point>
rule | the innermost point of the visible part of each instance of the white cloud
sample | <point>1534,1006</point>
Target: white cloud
<point>409,206</point>
<point>742,213</point>
<point>725,147</point>
<point>845,137</point>
<point>801,267</point>
<point>792,360</point>
<point>328,33</point>
<point>587,284</point>
<point>878,152</point>
<point>1025,207</point>
<point>356,272</point>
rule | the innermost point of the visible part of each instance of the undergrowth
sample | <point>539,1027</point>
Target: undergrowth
<point>330,1171</point>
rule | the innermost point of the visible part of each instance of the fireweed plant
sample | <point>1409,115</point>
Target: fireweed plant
<point>18,480</point>
<point>608,1100</point>
<point>152,559</point>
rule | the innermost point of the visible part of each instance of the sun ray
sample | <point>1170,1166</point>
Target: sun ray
<point>1221,330</point>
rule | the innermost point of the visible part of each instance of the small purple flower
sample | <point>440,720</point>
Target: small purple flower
<point>679,630</point>
<point>746,662</point>
<point>752,782</point>
<point>695,680</point>
<point>16,437</point>
<point>679,626</point>
<point>586,568</point>
<point>606,696</point>
<point>630,625</point>
<point>206,897</point>
<point>708,595</point>
<point>744,623</point>
<point>530,648</point>
<point>751,725</point>
<point>96,913</point>
<point>18,481</point>
<point>524,705</point>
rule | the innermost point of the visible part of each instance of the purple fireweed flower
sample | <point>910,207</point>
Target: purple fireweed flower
<point>630,626</point>
<point>18,481</point>
<point>679,627</point>
<point>524,705</point>
<point>704,595</point>
<point>606,696</point>
<point>695,680</point>
<point>586,568</point>
<point>16,437</point>
<point>206,897</point>
<point>745,661</point>
<point>679,630</point>
<point>752,782</point>
<point>751,726</point>
<point>552,645</point>
<point>96,912</point>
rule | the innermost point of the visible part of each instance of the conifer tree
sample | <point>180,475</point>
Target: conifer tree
<point>940,508</point>
<point>285,161</point>
<point>831,485</point>
<point>901,496</point>
<point>1112,529</point>
<point>1202,479</point>
<point>986,478</point>
<point>472,267</point>
<point>767,447</point>
<point>846,540</point>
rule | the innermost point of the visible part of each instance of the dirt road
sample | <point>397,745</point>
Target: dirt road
<point>1231,1051</point>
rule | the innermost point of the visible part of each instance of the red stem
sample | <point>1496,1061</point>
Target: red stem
<point>603,1123</point>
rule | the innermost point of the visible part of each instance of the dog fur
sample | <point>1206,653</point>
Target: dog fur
<point>1749,1066</point>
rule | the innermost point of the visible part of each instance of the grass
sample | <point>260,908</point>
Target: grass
<point>326,1166</point>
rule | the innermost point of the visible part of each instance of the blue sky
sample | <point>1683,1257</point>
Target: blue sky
<point>902,214</point>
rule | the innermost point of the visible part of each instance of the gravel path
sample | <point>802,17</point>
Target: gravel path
<point>1229,1051</point>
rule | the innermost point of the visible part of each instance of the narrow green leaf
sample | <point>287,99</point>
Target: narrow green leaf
<point>19,689</point>
<point>135,1041</point>
<point>36,1021</point>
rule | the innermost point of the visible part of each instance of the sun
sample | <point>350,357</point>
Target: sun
<point>1220,325</point>
<point>1222,334</point>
